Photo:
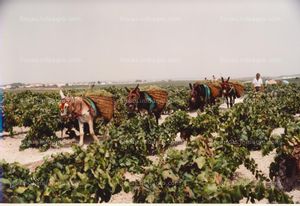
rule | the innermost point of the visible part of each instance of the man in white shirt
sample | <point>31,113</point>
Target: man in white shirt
<point>258,83</point>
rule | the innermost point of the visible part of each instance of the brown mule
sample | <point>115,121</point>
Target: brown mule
<point>203,94</point>
<point>77,108</point>
<point>138,100</point>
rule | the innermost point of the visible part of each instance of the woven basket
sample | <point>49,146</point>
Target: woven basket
<point>160,97</point>
<point>215,89</point>
<point>105,106</point>
<point>239,88</point>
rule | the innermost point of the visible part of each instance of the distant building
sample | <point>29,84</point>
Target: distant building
<point>50,85</point>
<point>8,87</point>
<point>39,85</point>
<point>61,84</point>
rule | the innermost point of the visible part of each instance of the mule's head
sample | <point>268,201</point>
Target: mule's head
<point>65,104</point>
<point>132,98</point>
<point>225,86</point>
<point>197,95</point>
<point>193,94</point>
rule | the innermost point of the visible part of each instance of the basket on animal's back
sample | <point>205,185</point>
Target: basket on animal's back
<point>239,88</point>
<point>104,104</point>
<point>160,97</point>
<point>152,99</point>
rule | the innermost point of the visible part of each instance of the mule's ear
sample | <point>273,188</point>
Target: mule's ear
<point>228,79</point>
<point>191,86</point>
<point>137,88</point>
<point>128,90</point>
<point>222,79</point>
<point>62,94</point>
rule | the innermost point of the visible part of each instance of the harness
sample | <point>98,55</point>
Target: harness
<point>151,101</point>
<point>75,114</point>
<point>91,105</point>
<point>207,92</point>
<point>231,90</point>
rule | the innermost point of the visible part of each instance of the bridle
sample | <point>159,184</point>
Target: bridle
<point>194,94</point>
<point>67,108</point>
<point>133,102</point>
<point>228,88</point>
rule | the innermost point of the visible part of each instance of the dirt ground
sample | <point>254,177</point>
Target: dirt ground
<point>31,158</point>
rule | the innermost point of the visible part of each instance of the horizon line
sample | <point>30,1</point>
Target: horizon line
<point>147,80</point>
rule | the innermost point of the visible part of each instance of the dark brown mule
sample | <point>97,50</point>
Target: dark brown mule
<point>197,96</point>
<point>229,92</point>
<point>141,100</point>
<point>203,94</point>
<point>216,91</point>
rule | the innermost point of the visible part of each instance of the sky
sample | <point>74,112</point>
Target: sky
<point>119,40</point>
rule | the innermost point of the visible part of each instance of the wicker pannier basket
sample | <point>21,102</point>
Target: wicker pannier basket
<point>215,89</point>
<point>105,106</point>
<point>160,97</point>
<point>240,89</point>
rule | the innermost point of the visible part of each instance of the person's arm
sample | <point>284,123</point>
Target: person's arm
<point>253,85</point>
<point>262,85</point>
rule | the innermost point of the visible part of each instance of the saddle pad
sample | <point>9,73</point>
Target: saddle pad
<point>151,100</point>
<point>91,104</point>
<point>207,92</point>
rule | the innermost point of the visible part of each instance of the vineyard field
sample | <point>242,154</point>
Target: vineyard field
<point>221,155</point>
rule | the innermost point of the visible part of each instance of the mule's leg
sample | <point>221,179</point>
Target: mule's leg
<point>213,101</point>
<point>157,116</point>
<point>81,132</point>
<point>231,101</point>
<point>201,106</point>
<point>227,101</point>
<point>92,132</point>
<point>234,97</point>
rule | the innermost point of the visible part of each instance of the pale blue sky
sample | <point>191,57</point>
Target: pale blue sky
<point>67,41</point>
